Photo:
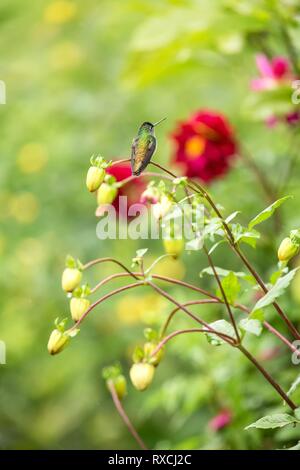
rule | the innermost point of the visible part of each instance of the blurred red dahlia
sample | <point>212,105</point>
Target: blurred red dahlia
<point>204,145</point>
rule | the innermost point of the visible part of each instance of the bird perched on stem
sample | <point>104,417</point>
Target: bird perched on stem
<point>143,147</point>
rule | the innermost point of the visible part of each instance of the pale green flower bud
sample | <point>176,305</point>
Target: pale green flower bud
<point>106,194</point>
<point>57,342</point>
<point>94,178</point>
<point>141,375</point>
<point>287,249</point>
<point>71,278</point>
<point>78,306</point>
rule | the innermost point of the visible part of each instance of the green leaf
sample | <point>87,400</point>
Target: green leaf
<point>253,323</point>
<point>294,386</point>
<point>231,287</point>
<point>140,253</point>
<point>273,421</point>
<point>277,274</point>
<point>243,234</point>
<point>232,216</point>
<point>138,354</point>
<point>221,326</point>
<point>212,249</point>
<point>222,272</point>
<point>297,413</point>
<point>267,213</point>
<point>277,290</point>
<point>251,326</point>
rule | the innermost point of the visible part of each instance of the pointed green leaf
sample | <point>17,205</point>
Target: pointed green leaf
<point>268,212</point>
<point>294,386</point>
<point>277,290</point>
<point>251,325</point>
<point>221,326</point>
<point>273,421</point>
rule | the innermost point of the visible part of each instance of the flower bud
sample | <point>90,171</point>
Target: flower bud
<point>106,194</point>
<point>57,342</point>
<point>161,208</point>
<point>141,375</point>
<point>78,307</point>
<point>149,348</point>
<point>120,386</point>
<point>94,178</point>
<point>173,246</point>
<point>151,194</point>
<point>287,250</point>
<point>71,278</point>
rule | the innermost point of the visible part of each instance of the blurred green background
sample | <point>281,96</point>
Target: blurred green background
<point>80,78</point>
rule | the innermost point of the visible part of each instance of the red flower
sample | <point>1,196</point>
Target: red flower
<point>204,145</point>
<point>220,420</point>
<point>132,190</point>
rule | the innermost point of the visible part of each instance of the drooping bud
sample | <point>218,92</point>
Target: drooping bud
<point>57,341</point>
<point>141,375</point>
<point>78,306</point>
<point>287,249</point>
<point>71,278</point>
<point>59,338</point>
<point>173,246</point>
<point>94,178</point>
<point>113,376</point>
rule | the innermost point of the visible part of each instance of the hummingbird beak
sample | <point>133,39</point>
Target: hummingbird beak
<point>158,122</point>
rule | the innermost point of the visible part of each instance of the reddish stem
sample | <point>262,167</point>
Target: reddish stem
<point>124,416</point>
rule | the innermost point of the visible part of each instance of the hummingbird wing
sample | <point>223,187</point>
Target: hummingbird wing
<point>141,153</point>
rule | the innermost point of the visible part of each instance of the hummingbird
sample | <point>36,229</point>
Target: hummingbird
<point>143,147</point>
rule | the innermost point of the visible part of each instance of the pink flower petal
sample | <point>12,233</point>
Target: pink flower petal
<point>264,66</point>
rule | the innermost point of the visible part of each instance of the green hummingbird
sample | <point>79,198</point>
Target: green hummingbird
<point>143,147</point>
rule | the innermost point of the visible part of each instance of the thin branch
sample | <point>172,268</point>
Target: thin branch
<point>186,304</point>
<point>190,314</point>
<point>237,250</point>
<point>188,330</point>
<point>105,260</point>
<point>105,297</point>
<point>270,379</point>
<point>124,416</point>
<point>161,278</point>
<point>232,319</point>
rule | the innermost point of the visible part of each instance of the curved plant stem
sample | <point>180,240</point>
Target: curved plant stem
<point>188,330</point>
<point>212,299</point>
<point>105,260</point>
<point>231,341</point>
<point>124,416</point>
<point>289,324</point>
<point>232,319</point>
<point>159,277</point>
<point>236,248</point>
<point>277,387</point>
<point>105,297</point>
<point>243,308</point>
<point>186,304</point>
